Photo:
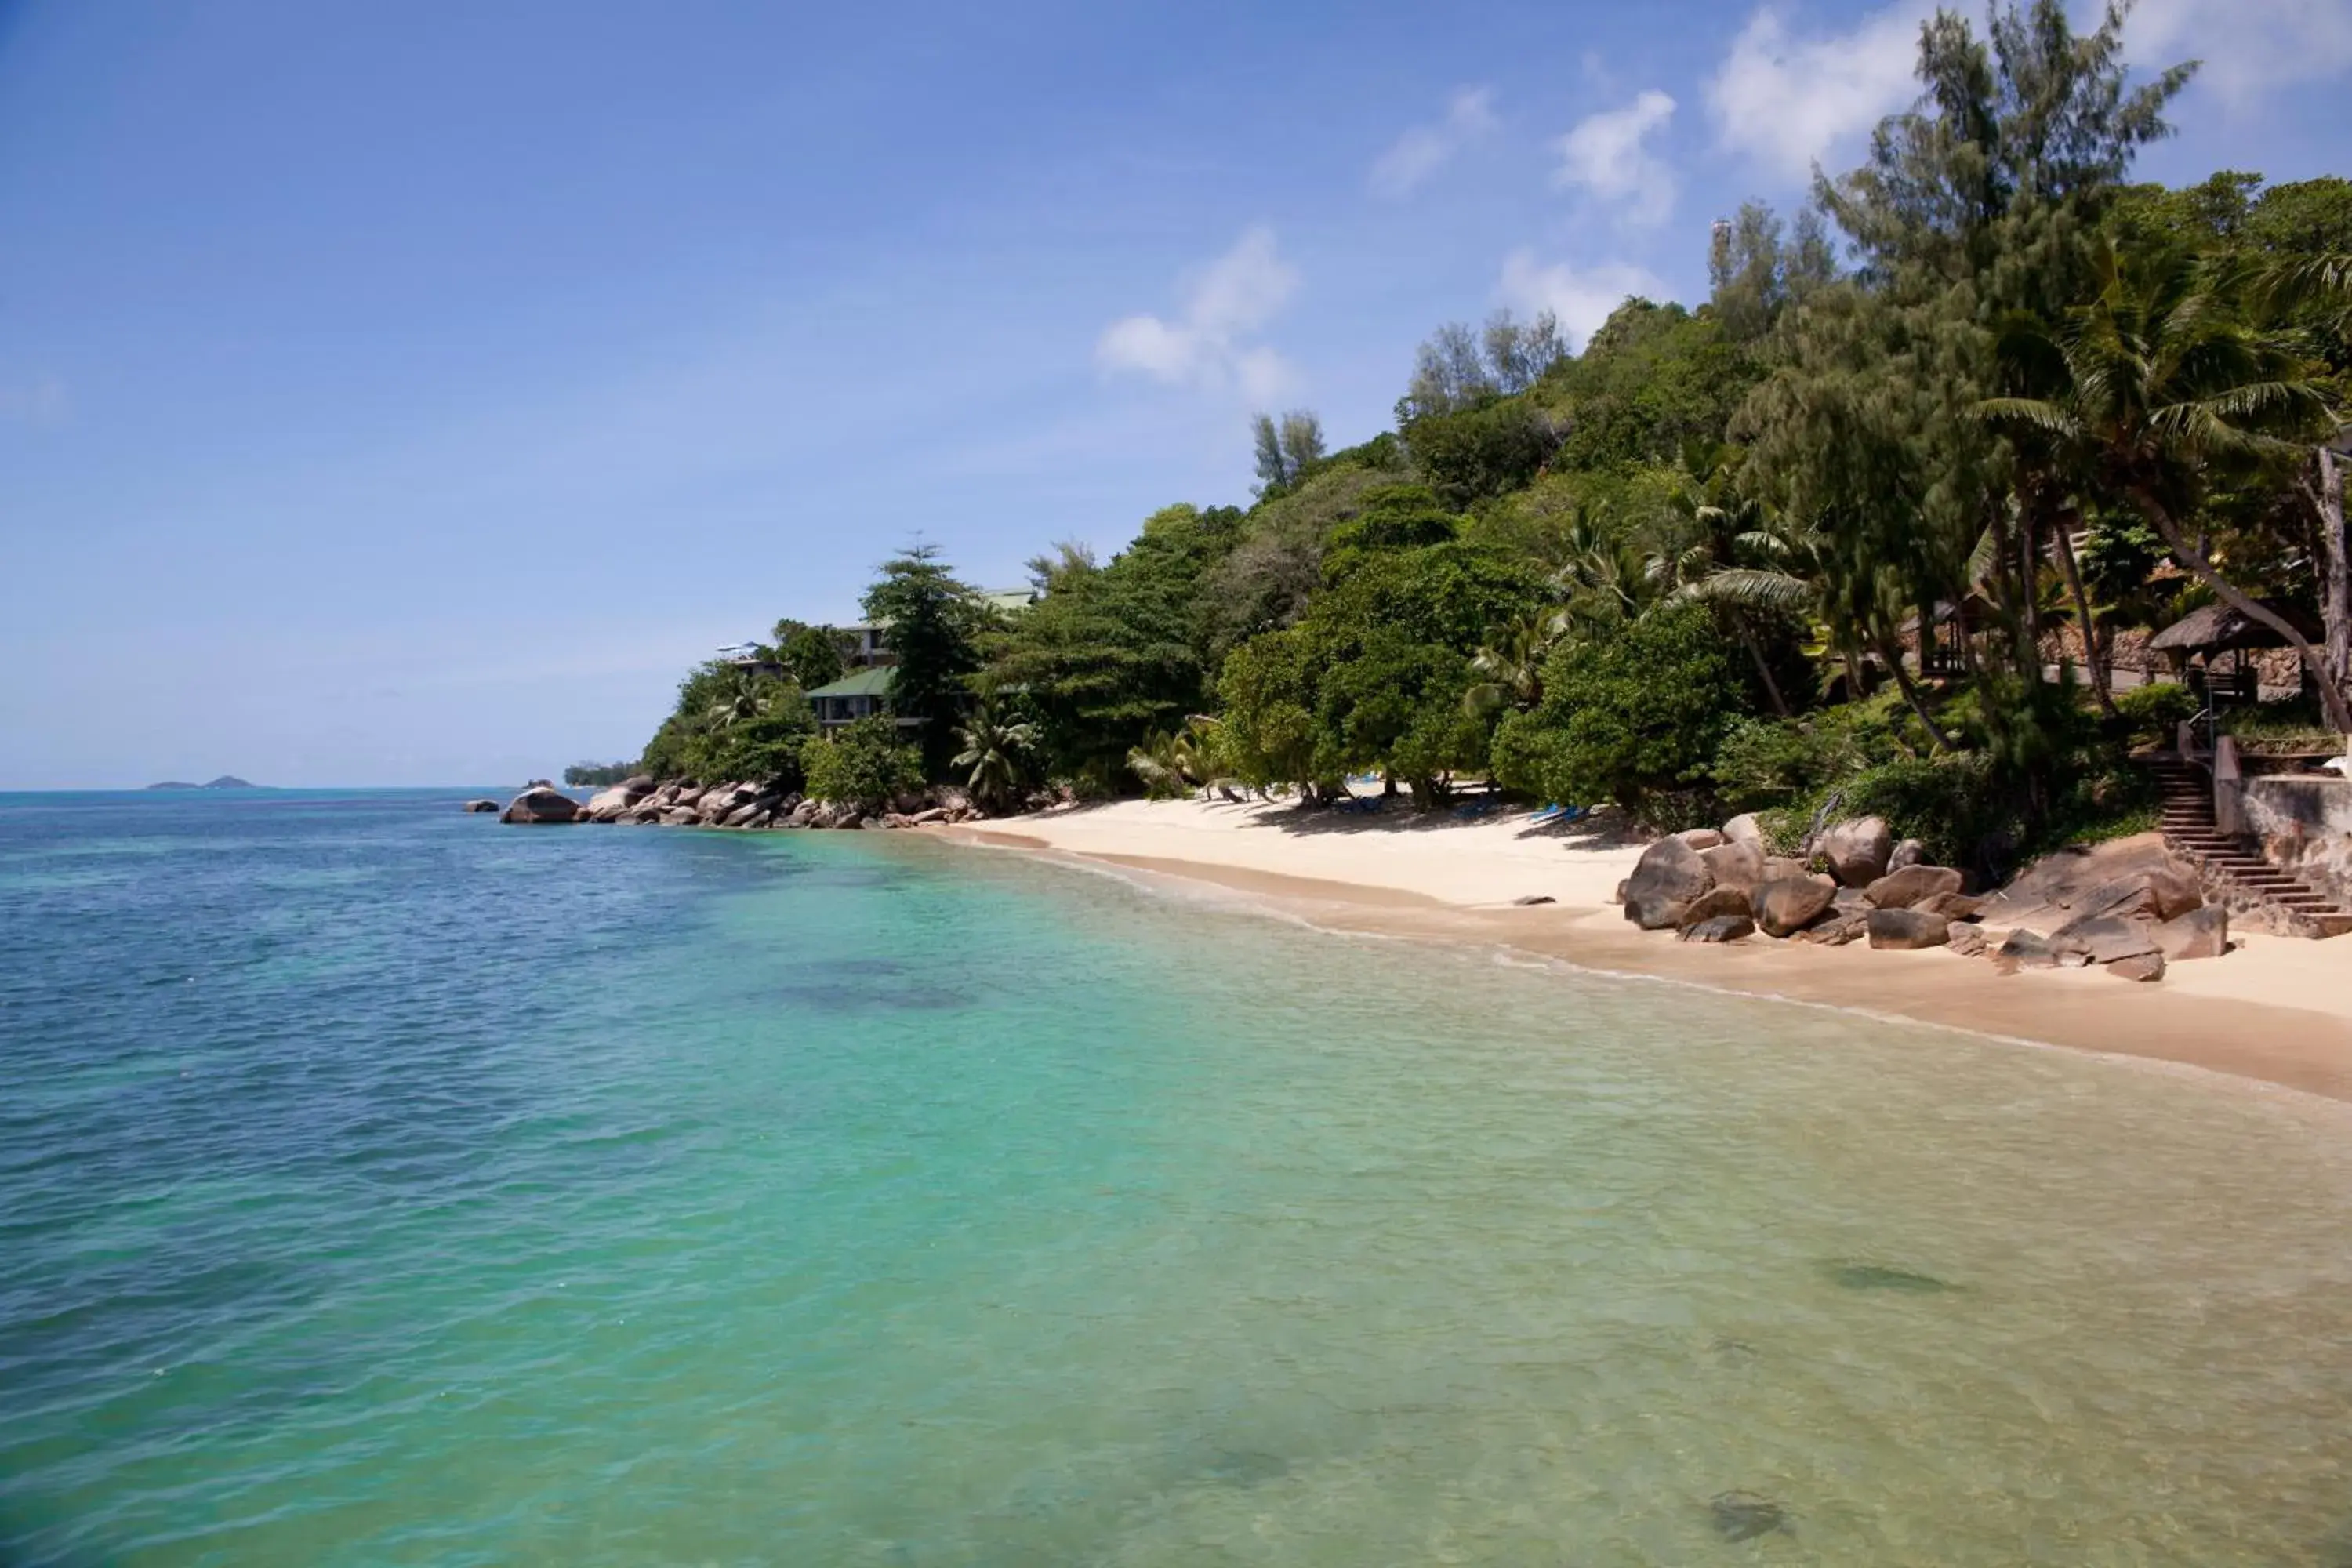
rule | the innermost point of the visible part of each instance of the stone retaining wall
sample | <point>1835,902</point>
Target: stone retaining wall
<point>2305,823</point>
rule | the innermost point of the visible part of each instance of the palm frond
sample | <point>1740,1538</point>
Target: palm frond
<point>1985,558</point>
<point>2032,413</point>
<point>1752,588</point>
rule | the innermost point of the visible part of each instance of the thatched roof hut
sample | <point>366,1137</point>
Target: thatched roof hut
<point>2216,628</point>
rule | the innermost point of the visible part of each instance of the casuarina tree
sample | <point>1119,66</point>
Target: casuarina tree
<point>933,624</point>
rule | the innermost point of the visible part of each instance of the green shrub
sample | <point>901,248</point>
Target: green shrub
<point>1635,715</point>
<point>2297,724</point>
<point>1394,517</point>
<point>1786,830</point>
<point>1485,450</point>
<point>2153,714</point>
<point>1968,811</point>
<point>864,764</point>
<point>1766,762</point>
<point>1976,808</point>
<point>1949,803</point>
<point>731,723</point>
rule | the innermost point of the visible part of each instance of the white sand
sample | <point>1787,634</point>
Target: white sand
<point>1487,860</point>
<point>2277,1008</point>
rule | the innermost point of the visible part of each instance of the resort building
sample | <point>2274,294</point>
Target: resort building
<point>749,655</point>
<point>860,694</point>
<point>864,690</point>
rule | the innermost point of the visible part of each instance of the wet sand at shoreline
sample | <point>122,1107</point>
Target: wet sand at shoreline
<point>2275,1009</point>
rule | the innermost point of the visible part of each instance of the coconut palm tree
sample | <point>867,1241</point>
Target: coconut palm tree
<point>1171,764</point>
<point>1604,572</point>
<point>742,696</point>
<point>2049,467</point>
<point>994,755</point>
<point>1784,568</point>
<point>1510,665</point>
<point>2157,385</point>
<point>2316,292</point>
<point>1160,763</point>
<point>1712,521</point>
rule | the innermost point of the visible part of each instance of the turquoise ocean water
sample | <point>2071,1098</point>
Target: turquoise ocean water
<point>383,1185</point>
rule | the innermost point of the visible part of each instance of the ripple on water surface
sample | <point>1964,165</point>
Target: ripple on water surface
<point>380,1185</point>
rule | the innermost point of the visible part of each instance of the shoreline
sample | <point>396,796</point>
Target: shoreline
<point>1452,883</point>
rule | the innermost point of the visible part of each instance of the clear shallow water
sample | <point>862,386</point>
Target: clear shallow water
<point>378,1185</point>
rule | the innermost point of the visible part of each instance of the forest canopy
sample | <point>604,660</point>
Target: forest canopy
<point>1870,521</point>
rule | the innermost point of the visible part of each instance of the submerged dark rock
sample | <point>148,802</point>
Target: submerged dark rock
<point>1878,1277</point>
<point>1743,1516</point>
<point>1239,1468</point>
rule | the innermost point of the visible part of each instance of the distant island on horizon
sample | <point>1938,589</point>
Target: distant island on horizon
<point>226,781</point>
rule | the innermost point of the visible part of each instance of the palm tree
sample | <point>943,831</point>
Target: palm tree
<point>1779,567</point>
<point>1511,666</point>
<point>2157,385</point>
<point>994,755</point>
<point>744,695</point>
<point>2317,291</point>
<point>1603,571</point>
<point>1160,763</point>
<point>1714,522</point>
<point>2048,468</point>
<point>1171,764</point>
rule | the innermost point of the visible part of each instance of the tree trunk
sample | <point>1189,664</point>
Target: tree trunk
<point>1892,654</point>
<point>2336,587</point>
<point>1772,686</point>
<point>1853,691</point>
<point>2094,656</point>
<point>2028,580</point>
<point>2339,716</point>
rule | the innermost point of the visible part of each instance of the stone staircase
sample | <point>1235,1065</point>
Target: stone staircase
<point>2235,865</point>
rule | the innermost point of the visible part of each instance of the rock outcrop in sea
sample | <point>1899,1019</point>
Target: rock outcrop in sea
<point>645,801</point>
<point>541,803</point>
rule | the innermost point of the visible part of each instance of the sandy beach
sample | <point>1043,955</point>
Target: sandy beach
<point>2277,1009</point>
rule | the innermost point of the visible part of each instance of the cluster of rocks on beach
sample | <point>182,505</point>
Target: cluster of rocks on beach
<point>645,801</point>
<point>2130,907</point>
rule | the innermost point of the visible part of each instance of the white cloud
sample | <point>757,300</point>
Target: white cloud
<point>1607,154</point>
<point>1425,149</point>
<point>1786,101</point>
<point>1581,297</point>
<point>2250,46</point>
<point>1208,346</point>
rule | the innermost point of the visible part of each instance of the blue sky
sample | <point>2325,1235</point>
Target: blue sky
<point>402,396</point>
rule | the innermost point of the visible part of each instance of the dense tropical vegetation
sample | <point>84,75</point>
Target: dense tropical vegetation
<point>1861,529</point>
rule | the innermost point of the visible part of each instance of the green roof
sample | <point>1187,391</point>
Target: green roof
<point>870,682</point>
